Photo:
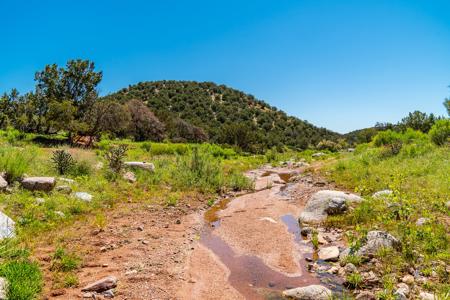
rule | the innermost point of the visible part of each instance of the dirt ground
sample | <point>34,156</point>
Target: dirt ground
<point>174,253</point>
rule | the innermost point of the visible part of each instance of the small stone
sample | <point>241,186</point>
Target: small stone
<point>88,295</point>
<point>329,253</point>
<point>65,189</point>
<point>178,221</point>
<point>57,293</point>
<point>140,165</point>
<point>333,270</point>
<point>403,288</point>
<point>365,295</point>
<point>408,279</point>
<point>447,204</point>
<point>108,293</point>
<point>382,194</point>
<point>129,176</point>
<point>40,201</point>
<point>3,184</point>
<point>422,221</point>
<point>350,268</point>
<point>3,288</point>
<point>426,296</point>
<point>101,285</point>
<point>140,228</point>
<point>145,242</point>
<point>83,196</point>
<point>60,214</point>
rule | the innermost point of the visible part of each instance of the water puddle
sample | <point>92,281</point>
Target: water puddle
<point>211,216</point>
<point>249,275</point>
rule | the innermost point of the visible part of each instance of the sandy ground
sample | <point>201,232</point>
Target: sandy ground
<point>173,253</point>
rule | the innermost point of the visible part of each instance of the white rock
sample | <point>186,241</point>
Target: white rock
<point>318,154</point>
<point>427,296</point>
<point>329,253</point>
<point>320,202</point>
<point>3,183</point>
<point>67,180</point>
<point>45,184</point>
<point>382,194</point>
<point>60,214</point>
<point>140,165</point>
<point>376,240</point>
<point>3,288</point>
<point>7,226</point>
<point>408,279</point>
<point>129,176</point>
<point>310,292</point>
<point>83,196</point>
<point>101,285</point>
<point>65,189</point>
<point>40,201</point>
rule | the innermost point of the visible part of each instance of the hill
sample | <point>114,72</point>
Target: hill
<point>227,115</point>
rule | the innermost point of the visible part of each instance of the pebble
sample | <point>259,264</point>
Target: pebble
<point>408,279</point>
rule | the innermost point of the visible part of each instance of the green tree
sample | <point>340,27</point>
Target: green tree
<point>418,121</point>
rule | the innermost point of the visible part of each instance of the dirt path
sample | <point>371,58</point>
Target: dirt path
<point>248,247</point>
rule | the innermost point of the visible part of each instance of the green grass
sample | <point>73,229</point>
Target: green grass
<point>418,175</point>
<point>25,279</point>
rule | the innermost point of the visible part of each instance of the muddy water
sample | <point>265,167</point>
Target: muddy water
<point>249,275</point>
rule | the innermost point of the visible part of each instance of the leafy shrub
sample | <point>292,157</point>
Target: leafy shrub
<point>238,182</point>
<point>146,146</point>
<point>14,162</point>
<point>440,132</point>
<point>62,161</point>
<point>354,280</point>
<point>391,140</point>
<point>25,279</point>
<point>115,156</point>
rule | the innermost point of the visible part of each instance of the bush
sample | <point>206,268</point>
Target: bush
<point>328,145</point>
<point>391,140</point>
<point>62,161</point>
<point>115,156</point>
<point>64,262</point>
<point>14,162</point>
<point>440,132</point>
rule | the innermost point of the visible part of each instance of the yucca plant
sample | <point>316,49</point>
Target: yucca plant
<point>62,161</point>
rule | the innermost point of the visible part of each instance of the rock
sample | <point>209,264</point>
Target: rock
<point>422,221</point>
<point>402,291</point>
<point>3,183</point>
<point>336,206</point>
<point>408,279</point>
<point>318,154</point>
<point>320,202</point>
<point>88,295</point>
<point>108,294</point>
<point>129,176</point>
<point>39,201</point>
<point>426,296</point>
<point>98,166</point>
<point>7,227</point>
<point>101,285</point>
<point>83,196</point>
<point>305,231</point>
<point>382,194</point>
<point>60,214</point>
<point>45,184</point>
<point>343,255</point>
<point>350,268</point>
<point>3,288</point>
<point>140,165</point>
<point>351,150</point>
<point>365,295</point>
<point>320,183</point>
<point>67,180</point>
<point>65,189</point>
<point>447,204</point>
<point>377,240</point>
<point>310,292</point>
<point>329,253</point>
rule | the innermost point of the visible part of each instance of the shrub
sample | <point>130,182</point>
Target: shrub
<point>65,262</point>
<point>146,146</point>
<point>14,162</point>
<point>25,279</point>
<point>62,161</point>
<point>440,132</point>
<point>391,140</point>
<point>328,145</point>
<point>115,156</point>
<point>354,280</point>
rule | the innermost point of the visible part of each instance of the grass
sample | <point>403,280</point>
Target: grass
<point>418,174</point>
<point>25,279</point>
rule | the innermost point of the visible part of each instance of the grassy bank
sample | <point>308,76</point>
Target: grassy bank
<point>418,173</point>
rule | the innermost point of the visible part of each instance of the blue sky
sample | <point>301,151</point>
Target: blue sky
<point>343,65</point>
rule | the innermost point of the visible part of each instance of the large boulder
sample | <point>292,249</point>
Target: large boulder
<point>310,292</point>
<point>7,226</point>
<point>324,203</point>
<point>375,241</point>
<point>140,165</point>
<point>45,184</point>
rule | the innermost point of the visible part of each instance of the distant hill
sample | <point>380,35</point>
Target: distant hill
<point>227,115</point>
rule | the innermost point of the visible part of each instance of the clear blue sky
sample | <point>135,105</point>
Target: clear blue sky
<point>339,64</point>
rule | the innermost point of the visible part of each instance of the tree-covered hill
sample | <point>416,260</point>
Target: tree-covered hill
<point>227,115</point>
